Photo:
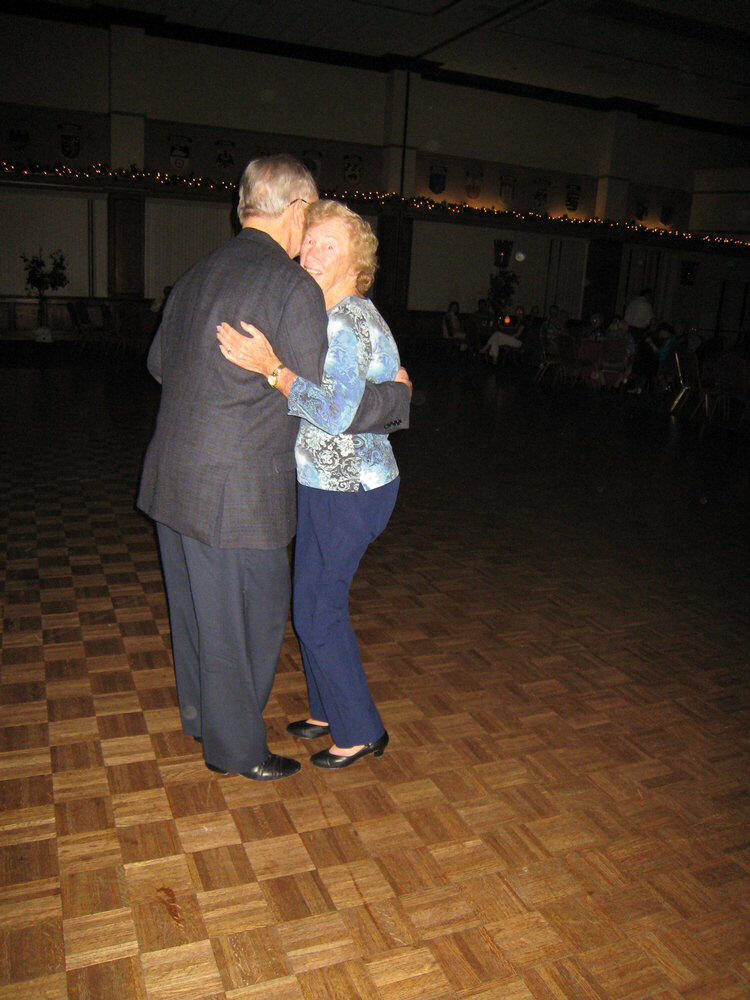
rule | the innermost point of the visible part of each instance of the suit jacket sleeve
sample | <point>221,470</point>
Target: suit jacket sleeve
<point>384,409</point>
<point>302,335</point>
<point>154,359</point>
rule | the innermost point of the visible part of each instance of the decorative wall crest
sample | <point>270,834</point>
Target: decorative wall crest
<point>540,193</point>
<point>313,160</point>
<point>474,177</point>
<point>70,140</point>
<point>352,168</point>
<point>508,189</point>
<point>438,177</point>
<point>572,196</point>
<point>225,152</point>
<point>179,153</point>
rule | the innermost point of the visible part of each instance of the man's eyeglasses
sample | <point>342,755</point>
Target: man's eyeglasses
<point>303,200</point>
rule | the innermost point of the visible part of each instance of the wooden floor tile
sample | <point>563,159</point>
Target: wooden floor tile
<point>249,956</point>
<point>380,928</point>
<point>555,631</point>
<point>408,974</point>
<point>346,979</point>
<point>316,942</point>
<point>32,950</point>
<point>99,937</point>
<point>188,972</point>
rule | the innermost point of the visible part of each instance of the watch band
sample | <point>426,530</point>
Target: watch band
<point>273,378</point>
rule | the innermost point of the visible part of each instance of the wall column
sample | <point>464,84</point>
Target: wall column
<point>613,187</point>
<point>127,141</point>
<point>612,198</point>
<point>391,291</point>
<point>126,214</point>
<point>128,71</point>
<point>399,158</point>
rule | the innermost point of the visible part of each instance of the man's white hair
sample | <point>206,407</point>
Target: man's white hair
<point>271,183</point>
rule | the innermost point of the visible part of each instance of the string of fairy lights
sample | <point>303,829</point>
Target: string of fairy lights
<point>162,181</point>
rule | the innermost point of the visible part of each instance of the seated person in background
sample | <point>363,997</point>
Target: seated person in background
<point>680,334</point>
<point>615,361</point>
<point>594,329</point>
<point>694,339</point>
<point>534,320</point>
<point>709,350</point>
<point>453,330</point>
<point>518,323</point>
<point>664,347</point>
<point>651,362</point>
<point>551,329</point>
<point>639,314</point>
<point>531,336</point>
<point>617,327</point>
<point>500,340</point>
<point>481,326</point>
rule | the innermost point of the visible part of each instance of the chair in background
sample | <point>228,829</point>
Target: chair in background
<point>688,380</point>
<point>81,320</point>
<point>549,364</point>
<point>589,351</point>
<point>570,363</point>
<point>726,398</point>
<point>614,364</point>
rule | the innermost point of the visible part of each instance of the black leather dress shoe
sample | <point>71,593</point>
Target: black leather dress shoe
<point>324,758</point>
<point>307,730</point>
<point>272,768</point>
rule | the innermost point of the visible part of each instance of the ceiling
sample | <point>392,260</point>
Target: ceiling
<point>687,57</point>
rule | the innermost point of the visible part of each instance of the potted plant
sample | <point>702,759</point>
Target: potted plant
<point>44,273</point>
<point>502,288</point>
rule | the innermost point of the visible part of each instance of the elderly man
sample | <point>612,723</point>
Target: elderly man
<point>219,474</point>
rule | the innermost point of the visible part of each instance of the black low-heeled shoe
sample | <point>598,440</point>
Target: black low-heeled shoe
<point>307,730</point>
<point>324,758</point>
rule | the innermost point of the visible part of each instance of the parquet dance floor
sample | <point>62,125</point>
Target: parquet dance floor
<point>556,631</point>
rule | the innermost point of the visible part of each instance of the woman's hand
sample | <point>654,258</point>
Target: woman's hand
<point>403,376</point>
<point>253,353</point>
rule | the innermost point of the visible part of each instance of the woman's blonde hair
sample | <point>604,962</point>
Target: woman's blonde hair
<point>363,243</point>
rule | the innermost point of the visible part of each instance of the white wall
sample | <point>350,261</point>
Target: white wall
<point>459,121</point>
<point>124,71</point>
<point>721,202</point>
<point>455,262</point>
<point>183,81</point>
<point>34,219</point>
<point>177,235</point>
<point>79,56</point>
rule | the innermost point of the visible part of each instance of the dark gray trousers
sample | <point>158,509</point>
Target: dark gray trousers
<point>227,613</point>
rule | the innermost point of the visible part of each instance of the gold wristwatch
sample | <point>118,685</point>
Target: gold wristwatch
<point>273,378</point>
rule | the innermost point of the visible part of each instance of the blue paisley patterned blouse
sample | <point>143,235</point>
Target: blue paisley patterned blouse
<point>360,348</point>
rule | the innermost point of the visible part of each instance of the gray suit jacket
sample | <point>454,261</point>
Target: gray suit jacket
<point>220,466</point>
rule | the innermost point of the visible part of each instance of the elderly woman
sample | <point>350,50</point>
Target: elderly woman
<point>347,483</point>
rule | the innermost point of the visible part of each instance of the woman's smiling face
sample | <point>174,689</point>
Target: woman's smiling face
<point>325,256</point>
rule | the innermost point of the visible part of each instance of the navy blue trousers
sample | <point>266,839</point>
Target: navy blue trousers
<point>333,532</point>
<point>227,614</point>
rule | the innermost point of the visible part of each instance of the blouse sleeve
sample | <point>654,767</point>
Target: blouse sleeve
<point>332,405</point>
